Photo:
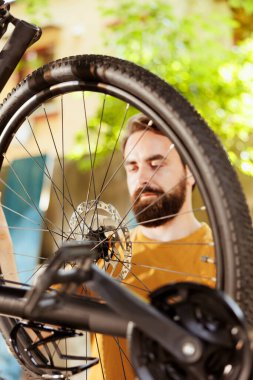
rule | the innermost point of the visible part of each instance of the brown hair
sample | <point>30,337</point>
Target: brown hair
<point>139,122</point>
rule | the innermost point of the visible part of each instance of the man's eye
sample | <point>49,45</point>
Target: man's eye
<point>131,168</point>
<point>156,163</point>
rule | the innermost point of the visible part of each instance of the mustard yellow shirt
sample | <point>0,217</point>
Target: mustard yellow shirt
<point>155,264</point>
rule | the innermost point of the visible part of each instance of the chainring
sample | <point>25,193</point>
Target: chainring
<point>207,314</point>
<point>101,222</point>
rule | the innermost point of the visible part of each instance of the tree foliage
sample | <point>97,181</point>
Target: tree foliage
<point>36,9</point>
<point>196,55</point>
<point>246,5</point>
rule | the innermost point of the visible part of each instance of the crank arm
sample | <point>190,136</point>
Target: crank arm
<point>148,319</point>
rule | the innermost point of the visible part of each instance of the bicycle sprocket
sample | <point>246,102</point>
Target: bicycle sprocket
<point>207,314</point>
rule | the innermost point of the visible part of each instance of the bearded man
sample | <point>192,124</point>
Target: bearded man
<point>169,244</point>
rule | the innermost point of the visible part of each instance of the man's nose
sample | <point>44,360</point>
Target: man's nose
<point>144,175</point>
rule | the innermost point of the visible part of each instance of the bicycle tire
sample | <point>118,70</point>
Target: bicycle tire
<point>200,148</point>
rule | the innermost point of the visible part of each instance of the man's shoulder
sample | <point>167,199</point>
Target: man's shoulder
<point>204,232</point>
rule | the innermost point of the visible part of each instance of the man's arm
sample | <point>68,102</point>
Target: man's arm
<point>7,259</point>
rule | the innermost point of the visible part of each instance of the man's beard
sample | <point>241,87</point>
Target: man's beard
<point>155,212</point>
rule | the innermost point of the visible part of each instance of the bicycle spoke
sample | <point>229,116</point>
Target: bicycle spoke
<point>33,229</point>
<point>11,282</point>
<point>48,175</point>
<point>23,187</point>
<point>103,186</point>
<point>32,206</point>
<point>86,352</point>
<point>145,287</point>
<point>121,359</point>
<point>63,170</point>
<point>133,287</point>
<point>186,244</point>
<point>116,171</point>
<point>18,195</point>
<point>19,214</point>
<point>58,155</point>
<point>92,179</point>
<point>26,255</point>
<point>163,269</point>
<point>94,159</point>
<point>25,271</point>
<point>99,355</point>
<point>35,272</point>
<point>131,207</point>
<point>66,360</point>
<point>26,202</point>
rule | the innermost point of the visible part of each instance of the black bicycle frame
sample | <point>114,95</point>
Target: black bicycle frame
<point>112,318</point>
<point>23,35</point>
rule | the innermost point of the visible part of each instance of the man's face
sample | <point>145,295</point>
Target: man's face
<point>156,178</point>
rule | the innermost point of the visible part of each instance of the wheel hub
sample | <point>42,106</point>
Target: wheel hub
<point>101,223</point>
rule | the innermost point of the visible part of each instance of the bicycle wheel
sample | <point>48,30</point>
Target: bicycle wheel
<point>62,176</point>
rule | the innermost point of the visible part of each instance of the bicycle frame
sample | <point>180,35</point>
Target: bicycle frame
<point>38,306</point>
<point>23,35</point>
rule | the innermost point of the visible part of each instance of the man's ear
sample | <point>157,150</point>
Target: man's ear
<point>190,180</point>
